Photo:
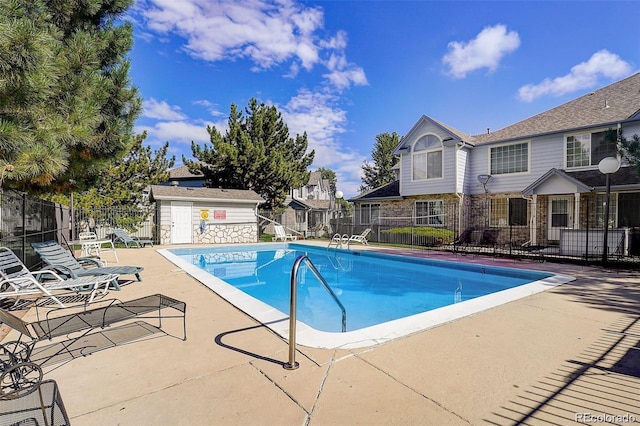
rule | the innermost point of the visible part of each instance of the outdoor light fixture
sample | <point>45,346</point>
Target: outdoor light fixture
<point>607,166</point>
<point>484,180</point>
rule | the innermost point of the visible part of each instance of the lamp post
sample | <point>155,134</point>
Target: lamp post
<point>607,166</point>
<point>339,196</point>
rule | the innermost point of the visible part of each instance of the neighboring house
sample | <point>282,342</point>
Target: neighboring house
<point>531,179</point>
<point>188,215</point>
<point>310,208</point>
<point>181,176</point>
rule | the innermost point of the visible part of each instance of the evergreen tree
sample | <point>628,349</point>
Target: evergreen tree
<point>380,172</point>
<point>126,181</point>
<point>256,153</point>
<point>630,148</point>
<point>330,175</point>
<point>67,108</point>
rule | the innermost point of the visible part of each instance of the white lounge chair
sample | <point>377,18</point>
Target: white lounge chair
<point>17,281</point>
<point>282,235</point>
<point>360,238</point>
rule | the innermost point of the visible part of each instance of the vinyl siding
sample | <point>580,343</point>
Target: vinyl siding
<point>443,185</point>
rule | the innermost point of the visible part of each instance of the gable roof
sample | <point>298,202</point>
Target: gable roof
<point>161,192</point>
<point>390,191</point>
<point>456,135</point>
<point>618,102</point>
<point>590,180</point>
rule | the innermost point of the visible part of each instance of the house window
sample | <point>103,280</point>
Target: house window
<point>369,214</point>
<point>588,149</point>
<point>300,214</point>
<point>601,200</point>
<point>430,212</point>
<point>510,159</point>
<point>508,212</point>
<point>623,210</point>
<point>628,210</point>
<point>426,158</point>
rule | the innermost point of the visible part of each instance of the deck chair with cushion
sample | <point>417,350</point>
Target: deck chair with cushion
<point>121,236</point>
<point>16,281</point>
<point>360,238</point>
<point>282,235</point>
<point>63,262</point>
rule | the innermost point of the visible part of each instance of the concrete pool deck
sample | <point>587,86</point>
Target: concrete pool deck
<point>569,353</point>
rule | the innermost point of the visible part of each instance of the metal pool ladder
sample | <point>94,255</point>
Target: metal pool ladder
<point>293,306</point>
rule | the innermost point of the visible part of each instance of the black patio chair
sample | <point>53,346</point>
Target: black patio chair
<point>25,399</point>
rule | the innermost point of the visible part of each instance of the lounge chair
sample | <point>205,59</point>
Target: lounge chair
<point>360,238</point>
<point>69,333</point>
<point>122,236</point>
<point>282,235</point>
<point>76,327</point>
<point>17,281</point>
<point>62,261</point>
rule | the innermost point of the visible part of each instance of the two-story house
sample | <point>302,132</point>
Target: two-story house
<point>310,207</point>
<point>532,178</point>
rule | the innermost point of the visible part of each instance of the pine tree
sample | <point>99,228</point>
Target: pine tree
<point>380,172</point>
<point>67,107</point>
<point>256,153</point>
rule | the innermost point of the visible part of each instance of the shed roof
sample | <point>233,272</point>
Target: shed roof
<point>179,193</point>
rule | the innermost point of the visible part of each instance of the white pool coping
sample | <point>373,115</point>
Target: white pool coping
<point>369,336</point>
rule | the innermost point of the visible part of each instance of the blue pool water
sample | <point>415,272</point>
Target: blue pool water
<point>374,288</point>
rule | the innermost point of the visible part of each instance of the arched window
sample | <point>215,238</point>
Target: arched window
<point>427,158</point>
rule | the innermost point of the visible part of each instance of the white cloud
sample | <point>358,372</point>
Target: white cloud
<point>267,32</point>
<point>484,51</point>
<point>175,132</point>
<point>318,115</point>
<point>161,110</point>
<point>582,76</point>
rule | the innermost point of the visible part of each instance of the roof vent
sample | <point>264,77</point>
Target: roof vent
<point>488,130</point>
<point>174,183</point>
<point>606,104</point>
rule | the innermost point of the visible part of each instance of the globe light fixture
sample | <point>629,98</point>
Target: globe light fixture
<point>607,166</point>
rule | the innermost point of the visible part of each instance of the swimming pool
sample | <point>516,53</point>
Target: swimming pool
<point>384,296</point>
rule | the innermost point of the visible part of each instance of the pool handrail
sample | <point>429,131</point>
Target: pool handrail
<point>293,306</point>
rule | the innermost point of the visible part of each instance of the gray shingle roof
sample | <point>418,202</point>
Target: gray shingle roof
<point>161,192</point>
<point>183,172</point>
<point>389,191</point>
<point>615,103</point>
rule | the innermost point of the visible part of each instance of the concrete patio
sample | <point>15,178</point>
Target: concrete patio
<point>564,356</point>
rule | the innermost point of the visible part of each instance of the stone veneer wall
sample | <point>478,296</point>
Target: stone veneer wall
<point>217,234</point>
<point>226,233</point>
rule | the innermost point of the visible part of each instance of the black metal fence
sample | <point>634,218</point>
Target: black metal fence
<point>26,219</point>
<point>496,228</point>
<point>139,222</point>
<point>482,229</point>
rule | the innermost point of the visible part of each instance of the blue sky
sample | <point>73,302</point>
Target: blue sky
<point>346,71</point>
